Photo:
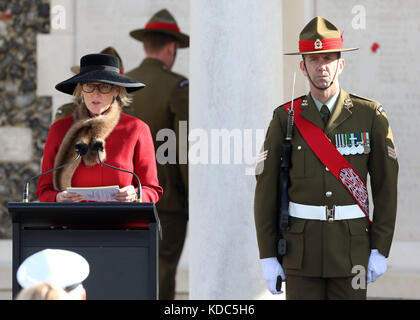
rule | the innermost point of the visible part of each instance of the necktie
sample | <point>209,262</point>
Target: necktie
<point>325,114</point>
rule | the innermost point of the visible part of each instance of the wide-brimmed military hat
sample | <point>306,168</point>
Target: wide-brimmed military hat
<point>107,50</point>
<point>98,67</point>
<point>320,36</point>
<point>60,268</point>
<point>163,22</point>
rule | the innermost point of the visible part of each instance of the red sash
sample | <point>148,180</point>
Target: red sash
<point>323,148</point>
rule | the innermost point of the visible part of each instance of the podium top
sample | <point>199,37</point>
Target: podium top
<point>35,214</point>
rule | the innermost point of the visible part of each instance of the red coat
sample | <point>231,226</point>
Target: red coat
<point>129,147</point>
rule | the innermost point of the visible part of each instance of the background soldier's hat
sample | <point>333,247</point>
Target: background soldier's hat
<point>163,22</point>
<point>107,50</point>
<point>320,36</point>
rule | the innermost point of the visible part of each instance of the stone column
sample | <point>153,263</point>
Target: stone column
<point>236,82</point>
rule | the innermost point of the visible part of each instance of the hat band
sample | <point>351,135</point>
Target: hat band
<point>99,67</point>
<point>162,25</point>
<point>324,44</point>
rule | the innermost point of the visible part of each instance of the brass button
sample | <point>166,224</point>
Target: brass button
<point>299,147</point>
<point>326,169</point>
<point>328,194</point>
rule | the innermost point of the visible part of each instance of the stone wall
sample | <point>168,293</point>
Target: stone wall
<point>385,68</point>
<point>24,117</point>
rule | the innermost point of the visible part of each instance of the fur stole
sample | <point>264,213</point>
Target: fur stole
<point>88,130</point>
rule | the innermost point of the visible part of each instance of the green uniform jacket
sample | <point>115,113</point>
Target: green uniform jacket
<point>64,111</point>
<point>319,248</point>
<point>162,104</point>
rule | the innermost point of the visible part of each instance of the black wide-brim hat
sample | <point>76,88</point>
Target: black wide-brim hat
<point>103,68</point>
<point>107,50</point>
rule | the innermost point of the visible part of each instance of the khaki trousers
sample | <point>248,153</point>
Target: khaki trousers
<point>174,228</point>
<point>308,288</point>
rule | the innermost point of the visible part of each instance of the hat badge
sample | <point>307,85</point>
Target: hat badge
<point>318,44</point>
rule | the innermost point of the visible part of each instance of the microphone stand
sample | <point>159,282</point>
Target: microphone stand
<point>81,149</point>
<point>98,147</point>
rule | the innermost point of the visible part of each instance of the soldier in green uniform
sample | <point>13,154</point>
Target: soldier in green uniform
<point>68,108</point>
<point>329,241</point>
<point>163,104</point>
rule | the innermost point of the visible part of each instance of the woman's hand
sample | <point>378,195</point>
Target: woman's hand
<point>126,194</point>
<point>66,196</point>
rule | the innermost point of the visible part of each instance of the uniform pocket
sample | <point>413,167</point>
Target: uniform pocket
<point>302,162</point>
<point>295,244</point>
<point>359,241</point>
<point>360,163</point>
<point>298,162</point>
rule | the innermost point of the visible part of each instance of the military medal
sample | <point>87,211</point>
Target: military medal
<point>360,148</point>
<point>345,147</point>
<point>352,143</point>
<point>338,143</point>
<point>342,143</point>
<point>366,143</point>
<point>353,149</point>
<point>346,150</point>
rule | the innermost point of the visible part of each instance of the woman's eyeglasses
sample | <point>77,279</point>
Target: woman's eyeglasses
<point>102,87</point>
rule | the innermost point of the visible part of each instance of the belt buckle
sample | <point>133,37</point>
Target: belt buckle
<point>330,213</point>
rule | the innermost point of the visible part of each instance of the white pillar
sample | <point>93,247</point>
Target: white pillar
<point>55,52</point>
<point>235,84</point>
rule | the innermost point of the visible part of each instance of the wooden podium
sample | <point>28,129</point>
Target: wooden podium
<point>119,240</point>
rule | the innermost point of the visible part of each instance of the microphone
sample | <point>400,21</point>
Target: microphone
<point>98,146</point>
<point>80,148</point>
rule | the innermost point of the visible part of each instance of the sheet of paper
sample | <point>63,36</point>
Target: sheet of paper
<point>97,193</point>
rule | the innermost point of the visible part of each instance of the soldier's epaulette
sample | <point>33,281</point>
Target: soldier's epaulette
<point>368,103</point>
<point>303,98</point>
<point>177,79</point>
<point>364,99</point>
<point>174,74</point>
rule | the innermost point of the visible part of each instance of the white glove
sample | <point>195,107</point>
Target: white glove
<point>271,270</point>
<point>376,266</point>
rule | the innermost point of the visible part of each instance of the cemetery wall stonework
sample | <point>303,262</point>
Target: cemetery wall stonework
<point>24,117</point>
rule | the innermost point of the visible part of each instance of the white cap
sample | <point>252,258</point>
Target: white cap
<point>61,268</point>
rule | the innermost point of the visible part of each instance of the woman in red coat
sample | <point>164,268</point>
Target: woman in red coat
<point>100,92</point>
